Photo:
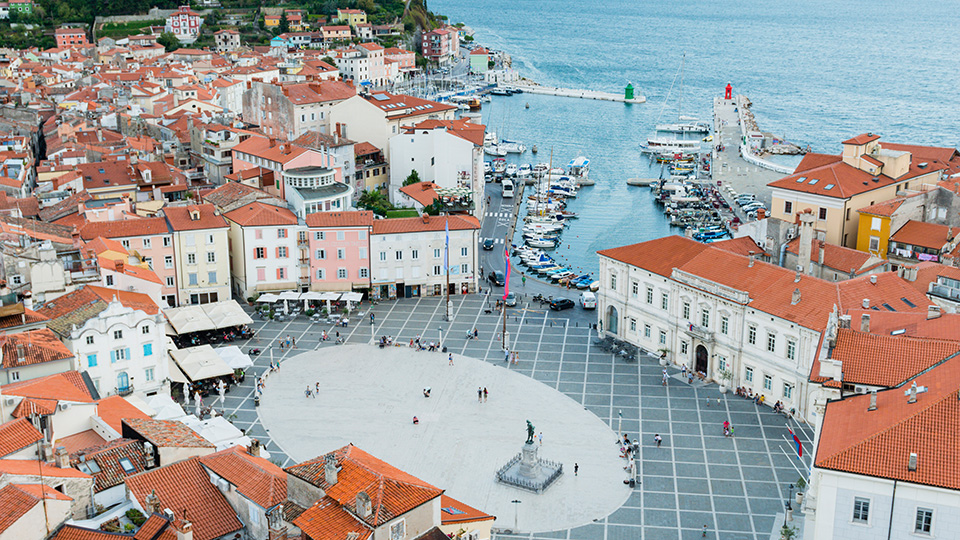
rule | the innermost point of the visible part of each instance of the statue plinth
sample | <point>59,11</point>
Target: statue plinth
<point>527,471</point>
<point>529,461</point>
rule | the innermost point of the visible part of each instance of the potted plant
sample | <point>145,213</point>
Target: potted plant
<point>801,483</point>
<point>725,376</point>
<point>663,356</point>
<point>788,533</point>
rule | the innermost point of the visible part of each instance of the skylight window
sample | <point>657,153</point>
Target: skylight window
<point>127,466</point>
<point>814,181</point>
<point>89,467</point>
<point>801,180</point>
<point>888,306</point>
<point>908,302</point>
<point>828,186</point>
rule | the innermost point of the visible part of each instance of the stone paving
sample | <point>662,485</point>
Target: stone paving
<point>735,486</point>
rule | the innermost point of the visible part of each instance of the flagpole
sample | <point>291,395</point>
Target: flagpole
<point>446,264</point>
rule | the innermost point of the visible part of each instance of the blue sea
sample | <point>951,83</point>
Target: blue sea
<point>817,72</point>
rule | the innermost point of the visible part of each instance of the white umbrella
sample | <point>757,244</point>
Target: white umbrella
<point>268,298</point>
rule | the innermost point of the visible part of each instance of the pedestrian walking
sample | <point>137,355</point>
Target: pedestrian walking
<point>683,371</point>
<point>540,438</point>
<point>281,344</point>
<point>576,469</point>
<point>658,439</point>
<point>523,279</point>
<point>317,388</point>
<point>450,358</point>
<point>479,394</point>
<point>293,341</point>
<point>484,394</point>
<point>288,340</point>
<point>664,376</point>
<point>371,318</point>
<point>506,356</point>
<point>704,535</point>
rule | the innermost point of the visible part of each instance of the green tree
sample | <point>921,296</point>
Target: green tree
<point>374,201</point>
<point>284,23</point>
<point>329,60</point>
<point>413,178</point>
<point>169,41</point>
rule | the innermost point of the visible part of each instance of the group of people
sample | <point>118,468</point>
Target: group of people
<point>511,357</point>
<point>757,398</point>
<point>727,429</point>
<point>314,392</point>
<point>290,342</point>
<point>689,374</point>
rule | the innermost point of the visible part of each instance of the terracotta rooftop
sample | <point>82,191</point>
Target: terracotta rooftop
<point>316,140</point>
<point>878,360</point>
<point>110,463</point>
<point>326,519</point>
<point>126,228</point>
<point>81,305</point>
<point>392,491</point>
<point>424,224</point>
<point>741,246</point>
<point>946,326</point>
<point>78,441</point>
<point>838,257</point>
<point>454,511</point>
<point>167,433</point>
<point>403,106</point>
<point>364,149</point>
<point>29,467</point>
<point>462,128</point>
<point>361,218</point>
<point>928,235</point>
<point>186,485</point>
<point>113,409</point>
<point>181,217</point>
<point>254,477</point>
<point>18,499</point>
<point>862,139</point>
<point>258,214</point>
<point>16,435</point>
<point>38,347</point>
<point>422,192</point>
<point>885,208</point>
<point>232,191</point>
<point>878,443</point>
<point>67,386</point>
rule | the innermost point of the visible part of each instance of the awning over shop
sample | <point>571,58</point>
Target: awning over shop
<point>200,363</point>
<point>204,317</point>
<point>267,298</point>
<point>234,357</point>
<point>226,314</point>
<point>289,295</point>
<point>352,297</point>
<point>176,374</point>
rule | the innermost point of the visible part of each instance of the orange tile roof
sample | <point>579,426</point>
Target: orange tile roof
<point>15,502</point>
<point>107,456</point>
<point>43,491</point>
<point>258,214</point>
<point>318,92</point>
<point>861,139</point>
<point>462,128</point>
<point>67,386</point>
<point>38,346</point>
<point>424,224</point>
<point>156,527</point>
<point>255,478</point>
<point>113,409</point>
<point>406,106</point>
<point>185,485</point>
<point>279,152</point>
<point>927,272</point>
<point>29,407</point>
<point>232,191</point>
<point>837,257</point>
<point>361,218</point>
<point>392,492</point>
<point>167,433</point>
<point>72,532</point>
<point>658,256</point>
<point>454,511</point>
<point>327,520</point>
<point>17,319</point>
<point>29,467</point>
<point>126,228</point>
<point>364,148</point>
<point>878,443</point>
<point>81,440</point>
<point>919,233</point>
<point>741,246</point>
<point>422,192</point>
<point>16,435</point>
<point>877,360</point>
<point>946,326</point>
<point>180,217</point>
<point>885,208</point>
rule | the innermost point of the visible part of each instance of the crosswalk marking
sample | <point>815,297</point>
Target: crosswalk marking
<point>495,240</point>
<point>498,214</point>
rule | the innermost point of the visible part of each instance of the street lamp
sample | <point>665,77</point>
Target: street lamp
<point>787,506</point>
<point>619,423</point>
<point>440,329</point>
<point>516,511</point>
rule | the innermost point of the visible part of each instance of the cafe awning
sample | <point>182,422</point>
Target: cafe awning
<point>234,357</point>
<point>188,319</point>
<point>289,295</point>
<point>226,314</point>
<point>267,298</point>
<point>176,374</point>
<point>200,363</point>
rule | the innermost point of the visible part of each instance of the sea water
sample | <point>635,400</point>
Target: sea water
<point>818,72</point>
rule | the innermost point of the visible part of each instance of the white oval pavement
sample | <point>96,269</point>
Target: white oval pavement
<point>368,397</point>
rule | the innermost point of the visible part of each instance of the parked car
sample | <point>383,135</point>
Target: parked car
<point>752,206</point>
<point>488,244</point>
<point>510,300</point>
<point>497,278</point>
<point>559,304</point>
<point>588,300</point>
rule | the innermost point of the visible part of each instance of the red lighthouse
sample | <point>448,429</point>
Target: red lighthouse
<point>729,92</point>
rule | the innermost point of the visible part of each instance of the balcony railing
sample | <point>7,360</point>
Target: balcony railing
<point>945,292</point>
<point>125,390</point>
<point>700,332</point>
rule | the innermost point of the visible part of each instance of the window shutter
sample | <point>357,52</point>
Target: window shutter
<point>113,357</point>
<point>127,354</point>
<point>278,252</point>
<point>279,273</point>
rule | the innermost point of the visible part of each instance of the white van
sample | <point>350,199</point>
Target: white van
<point>588,300</point>
<point>507,189</point>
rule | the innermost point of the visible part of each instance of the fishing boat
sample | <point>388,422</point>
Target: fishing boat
<point>499,165</point>
<point>474,104</point>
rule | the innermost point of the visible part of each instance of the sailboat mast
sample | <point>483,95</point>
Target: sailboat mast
<point>680,92</point>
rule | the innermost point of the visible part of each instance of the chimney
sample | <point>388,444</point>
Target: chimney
<point>119,265</point>
<point>912,462</point>
<point>750,264</point>
<point>62,458</point>
<point>933,312</point>
<point>844,321</point>
<point>273,142</point>
<point>330,470</point>
<point>865,323</point>
<point>364,506</point>
<point>913,393</point>
<point>806,239</point>
<point>761,213</point>
<point>426,218</point>
<point>873,279</point>
<point>254,448</point>
<point>866,303</point>
<point>796,279</point>
<point>185,530</point>
<point>873,401</point>
<point>796,297</point>
<point>820,243</point>
<point>28,300</point>
<point>152,503</point>
<point>21,353</point>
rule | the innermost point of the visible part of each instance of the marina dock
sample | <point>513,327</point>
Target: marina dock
<point>581,94</point>
<point>735,165</point>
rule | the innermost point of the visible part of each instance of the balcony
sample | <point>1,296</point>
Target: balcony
<point>125,390</point>
<point>700,332</point>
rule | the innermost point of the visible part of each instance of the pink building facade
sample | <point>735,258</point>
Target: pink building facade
<point>339,250</point>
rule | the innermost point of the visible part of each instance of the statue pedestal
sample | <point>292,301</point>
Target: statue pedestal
<point>528,471</point>
<point>529,461</point>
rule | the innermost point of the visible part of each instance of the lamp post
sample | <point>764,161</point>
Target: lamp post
<point>787,507</point>
<point>440,329</point>
<point>516,512</point>
<point>620,423</point>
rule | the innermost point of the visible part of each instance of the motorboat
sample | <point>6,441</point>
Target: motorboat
<point>474,104</point>
<point>578,167</point>
<point>489,138</point>
<point>542,243</point>
<point>684,127</point>
<point>500,92</point>
<point>487,167</point>
<point>499,165</point>
<point>511,170</point>
<point>513,147</point>
<point>494,150</point>
<point>540,168</point>
<point>525,170</point>
<point>660,145</point>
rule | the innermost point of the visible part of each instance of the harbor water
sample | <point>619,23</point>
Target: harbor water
<point>817,72</point>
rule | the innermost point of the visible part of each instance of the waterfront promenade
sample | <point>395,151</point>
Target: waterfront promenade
<point>729,166</point>
<point>575,93</point>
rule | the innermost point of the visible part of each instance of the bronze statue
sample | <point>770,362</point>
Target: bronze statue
<point>530,431</point>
